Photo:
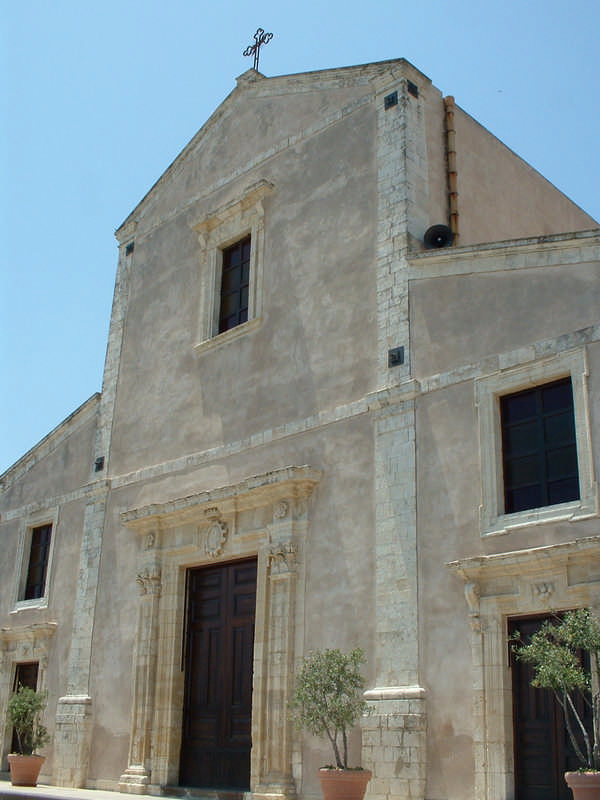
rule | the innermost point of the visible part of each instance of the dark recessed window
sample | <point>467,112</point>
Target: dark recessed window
<point>412,88</point>
<point>390,100</point>
<point>38,562</point>
<point>234,285</point>
<point>539,450</point>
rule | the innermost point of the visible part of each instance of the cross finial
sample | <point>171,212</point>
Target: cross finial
<point>260,38</point>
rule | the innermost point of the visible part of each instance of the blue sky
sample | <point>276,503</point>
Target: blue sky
<point>99,97</point>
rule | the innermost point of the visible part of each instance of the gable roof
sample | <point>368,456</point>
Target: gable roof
<point>259,85</point>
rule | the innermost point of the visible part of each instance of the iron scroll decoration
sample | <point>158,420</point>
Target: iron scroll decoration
<point>260,38</point>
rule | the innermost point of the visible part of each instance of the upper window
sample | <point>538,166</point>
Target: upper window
<point>34,560</point>
<point>539,451</point>
<point>235,284</point>
<point>39,554</point>
<point>535,443</point>
<point>231,268</point>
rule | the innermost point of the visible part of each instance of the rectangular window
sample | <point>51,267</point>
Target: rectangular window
<point>539,450</point>
<point>235,284</point>
<point>231,240</point>
<point>39,553</point>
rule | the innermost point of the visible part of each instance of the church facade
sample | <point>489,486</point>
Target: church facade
<point>350,398</point>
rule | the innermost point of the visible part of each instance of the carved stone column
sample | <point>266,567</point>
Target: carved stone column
<point>136,777</point>
<point>274,772</point>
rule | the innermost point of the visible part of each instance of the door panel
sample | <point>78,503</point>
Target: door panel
<point>25,675</point>
<point>216,739</point>
<point>543,752</point>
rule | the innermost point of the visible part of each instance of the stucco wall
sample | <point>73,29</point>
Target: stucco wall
<point>503,197</point>
<point>462,318</point>
<point>315,347</point>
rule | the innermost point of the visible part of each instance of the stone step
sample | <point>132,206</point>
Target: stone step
<point>194,793</point>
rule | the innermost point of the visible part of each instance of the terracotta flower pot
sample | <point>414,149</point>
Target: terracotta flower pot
<point>344,784</point>
<point>25,770</point>
<point>584,785</point>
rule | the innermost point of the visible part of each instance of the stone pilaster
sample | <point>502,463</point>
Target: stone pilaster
<point>74,712</point>
<point>394,744</point>
<point>113,350</point>
<point>137,776</point>
<point>274,767</point>
<point>394,736</point>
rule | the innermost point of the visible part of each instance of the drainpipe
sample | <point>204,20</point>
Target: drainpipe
<point>451,163</point>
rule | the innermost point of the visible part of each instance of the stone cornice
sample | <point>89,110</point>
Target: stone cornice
<point>508,255</point>
<point>252,492</point>
<point>393,395</point>
<point>530,561</point>
<point>20,633</point>
<point>250,197</point>
<point>512,254</point>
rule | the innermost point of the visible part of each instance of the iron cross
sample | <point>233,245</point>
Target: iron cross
<point>260,38</point>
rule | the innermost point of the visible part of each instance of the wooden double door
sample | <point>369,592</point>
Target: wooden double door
<point>542,750</point>
<point>219,644</point>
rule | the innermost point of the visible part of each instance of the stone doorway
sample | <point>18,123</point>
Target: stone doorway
<point>219,646</point>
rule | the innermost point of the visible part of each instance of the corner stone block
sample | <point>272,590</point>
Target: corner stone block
<point>72,741</point>
<point>394,743</point>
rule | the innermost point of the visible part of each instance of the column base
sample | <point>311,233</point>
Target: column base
<point>276,789</point>
<point>394,743</point>
<point>134,780</point>
<point>72,741</point>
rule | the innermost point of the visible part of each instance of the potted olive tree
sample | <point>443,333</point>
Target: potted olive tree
<point>327,702</point>
<point>25,709</point>
<point>560,652</point>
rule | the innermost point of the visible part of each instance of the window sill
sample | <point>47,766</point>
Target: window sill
<point>586,508</point>
<point>38,604</point>
<point>221,339</point>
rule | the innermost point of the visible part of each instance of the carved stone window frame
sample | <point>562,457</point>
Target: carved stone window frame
<point>266,517</point>
<point>28,524</point>
<point>216,231</point>
<point>488,391</point>
<point>499,587</point>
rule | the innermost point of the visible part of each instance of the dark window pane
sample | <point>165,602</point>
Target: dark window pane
<point>539,450</point>
<point>563,491</point>
<point>38,562</point>
<point>562,463</point>
<point>521,439</point>
<point>518,407</point>
<point>523,498</point>
<point>229,306</point>
<point>234,285</point>
<point>557,396</point>
<point>521,471</point>
<point>560,428</point>
<point>231,281</point>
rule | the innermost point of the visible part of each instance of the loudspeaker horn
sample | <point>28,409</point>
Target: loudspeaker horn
<point>438,236</point>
